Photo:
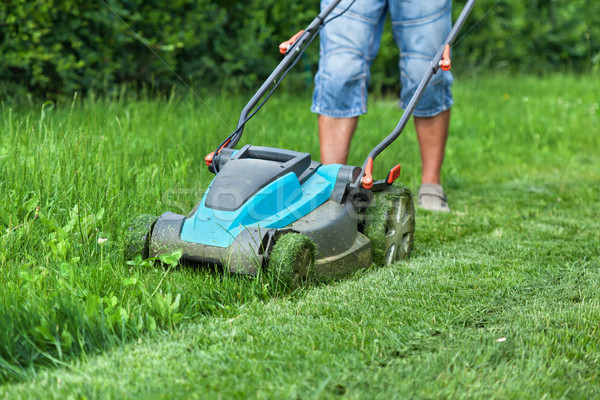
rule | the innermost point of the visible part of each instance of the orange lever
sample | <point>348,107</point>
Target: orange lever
<point>367,180</point>
<point>209,157</point>
<point>394,174</point>
<point>445,64</point>
<point>283,47</point>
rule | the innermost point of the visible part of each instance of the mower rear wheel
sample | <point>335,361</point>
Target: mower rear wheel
<point>137,237</point>
<point>291,262</point>
<point>390,225</point>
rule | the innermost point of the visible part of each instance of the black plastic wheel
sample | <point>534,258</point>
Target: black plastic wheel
<point>390,225</point>
<point>137,237</point>
<point>291,261</point>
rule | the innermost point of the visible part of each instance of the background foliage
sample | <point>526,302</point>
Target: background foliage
<point>51,47</point>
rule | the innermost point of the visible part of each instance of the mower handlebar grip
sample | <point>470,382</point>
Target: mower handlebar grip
<point>272,154</point>
<point>287,158</point>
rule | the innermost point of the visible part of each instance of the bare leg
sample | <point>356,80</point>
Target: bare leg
<point>335,135</point>
<point>432,133</point>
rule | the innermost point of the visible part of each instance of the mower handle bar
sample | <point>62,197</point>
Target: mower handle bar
<point>293,52</point>
<point>435,66</point>
<point>270,154</point>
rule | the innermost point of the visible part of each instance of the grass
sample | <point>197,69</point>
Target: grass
<point>499,300</point>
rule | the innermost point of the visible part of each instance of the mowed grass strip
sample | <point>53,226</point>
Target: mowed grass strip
<point>499,300</point>
<point>481,320</point>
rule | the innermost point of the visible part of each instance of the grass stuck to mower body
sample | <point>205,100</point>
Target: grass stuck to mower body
<point>292,218</point>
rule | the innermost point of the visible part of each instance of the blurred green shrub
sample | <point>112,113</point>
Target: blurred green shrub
<point>61,46</point>
<point>53,47</point>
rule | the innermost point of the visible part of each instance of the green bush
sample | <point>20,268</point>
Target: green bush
<point>534,35</point>
<point>58,47</point>
<point>53,47</point>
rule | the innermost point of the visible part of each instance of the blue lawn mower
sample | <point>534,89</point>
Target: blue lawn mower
<point>279,212</point>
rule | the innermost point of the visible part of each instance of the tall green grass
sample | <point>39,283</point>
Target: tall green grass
<point>72,178</point>
<point>499,299</point>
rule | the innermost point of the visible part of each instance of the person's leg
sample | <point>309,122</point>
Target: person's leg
<point>335,135</point>
<point>432,133</point>
<point>348,45</point>
<point>420,28</point>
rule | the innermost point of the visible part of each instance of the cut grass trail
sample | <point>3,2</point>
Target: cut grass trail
<point>499,300</point>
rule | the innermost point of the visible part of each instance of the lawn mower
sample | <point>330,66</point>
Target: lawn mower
<point>279,212</point>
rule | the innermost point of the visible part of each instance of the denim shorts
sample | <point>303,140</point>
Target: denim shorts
<point>350,43</point>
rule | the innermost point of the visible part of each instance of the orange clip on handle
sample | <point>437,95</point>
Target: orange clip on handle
<point>209,157</point>
<point>445,63</point>
<point>283,47</point>
<point>367,180</point>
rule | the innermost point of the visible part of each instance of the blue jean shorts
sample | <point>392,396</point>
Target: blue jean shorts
<point>350,43</point>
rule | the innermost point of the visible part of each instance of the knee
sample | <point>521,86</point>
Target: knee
<point>343,66</point>
<point>340,85</point>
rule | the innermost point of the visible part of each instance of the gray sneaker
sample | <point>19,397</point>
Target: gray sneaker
<point>432,197</point>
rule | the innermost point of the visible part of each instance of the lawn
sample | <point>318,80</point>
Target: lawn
<point>499,300</point>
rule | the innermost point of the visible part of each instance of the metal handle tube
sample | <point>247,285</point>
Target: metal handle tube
<point>292,53</point>
<point>435,66</point>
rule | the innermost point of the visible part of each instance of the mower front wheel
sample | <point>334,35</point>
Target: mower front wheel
<point>291,261</point>
<point>137,237</point>
<point>390,225</point>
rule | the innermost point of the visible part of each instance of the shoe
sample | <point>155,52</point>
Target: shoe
<point>431,197</point>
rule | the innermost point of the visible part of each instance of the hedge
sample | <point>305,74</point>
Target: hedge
<point>57,47</point>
